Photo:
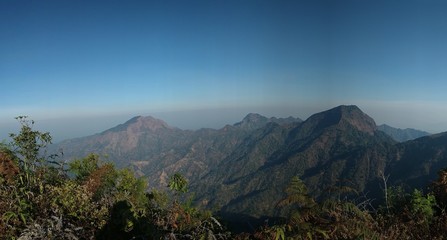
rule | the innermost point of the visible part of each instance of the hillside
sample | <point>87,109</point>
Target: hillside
<point>337,147</point>
<point>418,162</point>
<point>244,168</point>
<point>255,187</point>
<point>402,135</point>
<point>154,149</point>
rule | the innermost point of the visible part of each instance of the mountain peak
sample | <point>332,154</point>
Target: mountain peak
<point>342,115</point>
<point>151,123</point>
<point>252,121</point>
<point>348,108</point>
<point>254,117</point>
<point>141,123</point>
<point>357,118</point>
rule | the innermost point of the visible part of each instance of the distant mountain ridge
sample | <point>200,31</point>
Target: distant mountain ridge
<point>253,121</point>
<point>244,168</point>
<point>402,135</point>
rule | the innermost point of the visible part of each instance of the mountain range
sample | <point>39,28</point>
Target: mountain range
<point>402,135</point>
<point>243,169</point>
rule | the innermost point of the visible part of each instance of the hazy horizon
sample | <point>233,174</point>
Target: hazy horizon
<point>186,120</point>
<point>80,67</point>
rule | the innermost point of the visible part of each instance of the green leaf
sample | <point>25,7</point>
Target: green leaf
<point>178,183</point>
<point>22,217</point>
<point>8,215</point>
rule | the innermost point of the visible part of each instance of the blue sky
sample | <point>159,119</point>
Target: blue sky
<point>80,67</point>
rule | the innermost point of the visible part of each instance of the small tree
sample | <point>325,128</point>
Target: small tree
<point>27,172</point>
<point>28,146</point>
<point>297,194</point>
<point>29,143</point>
<point>422,205</point>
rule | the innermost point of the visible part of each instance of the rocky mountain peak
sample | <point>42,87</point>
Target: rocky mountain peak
<point>140,124</point>
<point>252,121</point>
<point>343,115</point>
<point>150,123</point>
<point>254,117</point>
<point>358,119</point>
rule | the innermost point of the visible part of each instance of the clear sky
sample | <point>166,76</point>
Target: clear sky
<point>80,67</point>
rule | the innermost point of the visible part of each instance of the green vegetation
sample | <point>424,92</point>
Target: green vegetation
<point>41,198</point>
<point>89,199</point>
<point>412,215</point>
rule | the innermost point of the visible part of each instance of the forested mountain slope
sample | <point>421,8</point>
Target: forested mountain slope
<point>244,168</point>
